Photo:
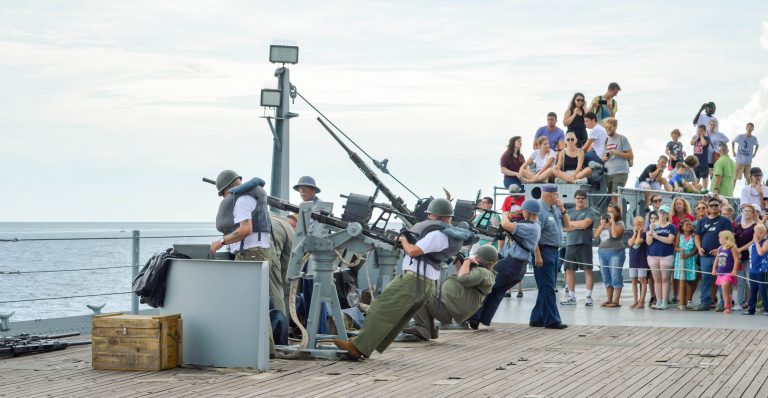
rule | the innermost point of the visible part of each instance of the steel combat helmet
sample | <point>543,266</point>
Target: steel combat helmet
<point>225,178</point>
<point>487,254</point>
<point>440,207</point>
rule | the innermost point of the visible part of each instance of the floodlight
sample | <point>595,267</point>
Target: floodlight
<point>279,54</point>
<point>271,98</point>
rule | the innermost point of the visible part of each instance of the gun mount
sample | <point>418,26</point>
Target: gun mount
<point>25,344</point>
<point>323,249</point>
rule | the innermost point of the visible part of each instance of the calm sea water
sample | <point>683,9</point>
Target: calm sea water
<point>73,254</point>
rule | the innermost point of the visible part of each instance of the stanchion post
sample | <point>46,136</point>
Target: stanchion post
<point>135,270</point>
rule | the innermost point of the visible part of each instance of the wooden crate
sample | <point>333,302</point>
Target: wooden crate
<point>136,342</point>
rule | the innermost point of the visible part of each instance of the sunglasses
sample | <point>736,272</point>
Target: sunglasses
<point>570,139</point>
<point>701,208</point>
<point>714,205</point>
<point>656,200</point>
<point>579,99</point>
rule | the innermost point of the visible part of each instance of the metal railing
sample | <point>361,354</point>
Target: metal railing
<point>135,264</point>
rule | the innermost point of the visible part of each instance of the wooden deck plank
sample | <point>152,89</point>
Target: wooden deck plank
<point>423,369</point>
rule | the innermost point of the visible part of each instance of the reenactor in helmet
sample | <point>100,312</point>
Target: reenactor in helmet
<point>460,294</point>
<point>408,292</point>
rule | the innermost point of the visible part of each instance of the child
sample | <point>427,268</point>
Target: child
<point>701,145</point>
<point>727,264</point>
<point>675,149</point>
<point>685,264</point>
<point>758,268</point>
<point>638,262</point>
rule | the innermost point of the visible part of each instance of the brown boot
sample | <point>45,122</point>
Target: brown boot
<point>352,352</point>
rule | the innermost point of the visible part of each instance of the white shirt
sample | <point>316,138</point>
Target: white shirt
<point>540,161</point>
<point>704,119</point>
<point>598,135</point>
<point>244,207</point>
<point>749,195</point>
<point>435,241</point>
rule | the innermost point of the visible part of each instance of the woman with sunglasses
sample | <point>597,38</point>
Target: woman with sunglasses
<point>570,162</point>
<point>700,212</point>
<point>661,255</point>
<point>573,119</point>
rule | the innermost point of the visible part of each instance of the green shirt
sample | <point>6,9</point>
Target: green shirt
<point>725,167</point>
<point>463,295</point>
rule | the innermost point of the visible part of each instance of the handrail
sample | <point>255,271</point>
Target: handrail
<point>63,297</point>
<point>14,240</point>
<point>40,271</point>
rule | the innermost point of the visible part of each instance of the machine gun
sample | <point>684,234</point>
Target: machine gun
<point>24,344</point>
<point>398,204</point>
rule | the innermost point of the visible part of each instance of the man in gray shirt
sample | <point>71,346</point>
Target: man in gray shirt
<point>578,247</point>
<point>552,219</point>
<point>744,148</point>
<point>616,158</point>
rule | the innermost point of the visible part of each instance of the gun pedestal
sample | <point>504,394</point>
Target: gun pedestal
<point>385,260</point>
<point>322,249</point>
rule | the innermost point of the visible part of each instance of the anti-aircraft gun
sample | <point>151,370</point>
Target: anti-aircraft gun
<point>323,248</point>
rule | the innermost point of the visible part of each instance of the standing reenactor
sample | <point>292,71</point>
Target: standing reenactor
<point>578,249</point>
<point>405,295</point>
<point>282,244</point>
<point>552,219</point>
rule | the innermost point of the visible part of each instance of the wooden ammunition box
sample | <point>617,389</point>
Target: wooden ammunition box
<point>136,342</point>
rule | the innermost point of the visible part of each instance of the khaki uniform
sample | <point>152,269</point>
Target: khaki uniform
<point>281,243</point>
<point>259,254</point>
<point>460,298</point>
<point>391,311</point>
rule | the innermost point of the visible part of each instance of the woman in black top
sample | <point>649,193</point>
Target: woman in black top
<point>573,119</point>
<point>570,162</point>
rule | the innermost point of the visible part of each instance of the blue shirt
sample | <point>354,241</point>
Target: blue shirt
<point>530,233</point>
<point>660,249</point>
<point>708,230</point>
<point>554,136</point>
<point>551,225</point>
<point>758,263</point>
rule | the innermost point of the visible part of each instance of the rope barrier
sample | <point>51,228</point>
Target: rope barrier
<point>13,240</point>
<point>665,269</point>
<point>63,297</point>
<point>61,270</point>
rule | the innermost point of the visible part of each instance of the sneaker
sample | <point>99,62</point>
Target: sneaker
<point>559,181</point>
<point>662,305</point>
<point>581,181</point>
<point>588,303</point>
<point>747,312</point>
<point>508,294</point>
<point>652,301</point>
<point>701,307</point>
<point>737,307</point>
<point>569,301</point>
<point>673,301</point>
<point>719,308</point>
<point>519,294</point>
<point>690,305</point>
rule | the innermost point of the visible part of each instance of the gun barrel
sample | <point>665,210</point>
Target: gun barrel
<point>396,201</point>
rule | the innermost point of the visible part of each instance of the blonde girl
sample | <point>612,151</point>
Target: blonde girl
<point>727,263</point>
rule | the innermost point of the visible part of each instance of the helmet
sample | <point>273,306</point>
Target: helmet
<point>306,181</point>
<point>440,207</point>
<point>487,254</point>
<point>225,178</point>
<point>532,206</point>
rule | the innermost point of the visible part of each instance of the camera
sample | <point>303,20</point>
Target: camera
<point>602,102</point>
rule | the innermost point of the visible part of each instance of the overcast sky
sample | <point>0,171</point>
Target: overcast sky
<point>113,111</point>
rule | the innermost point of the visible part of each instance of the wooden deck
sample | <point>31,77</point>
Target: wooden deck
<point>508,360</point>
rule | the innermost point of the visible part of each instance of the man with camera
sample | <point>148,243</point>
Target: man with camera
<point>605,106</point>
<point>460,295</point>
<point>755,193</point>
<point>708,109</point>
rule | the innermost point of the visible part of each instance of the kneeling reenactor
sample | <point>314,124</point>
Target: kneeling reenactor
<point>460,295</point>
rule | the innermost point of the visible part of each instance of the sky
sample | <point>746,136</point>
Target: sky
<point>113,111</point>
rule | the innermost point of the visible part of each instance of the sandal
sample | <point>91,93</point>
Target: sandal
<point>640,306</point>
<point>605,304</point>
<point>634,305</point>
<point>612,305</point>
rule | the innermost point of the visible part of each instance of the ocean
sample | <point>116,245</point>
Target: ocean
<point>76,253</point>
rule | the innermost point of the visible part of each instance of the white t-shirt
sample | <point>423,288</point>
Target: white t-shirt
<point>435,241</point>
<point>704,119</point>
<point>540,161</point>
<point>749,195</point>
<point>244,207</point>
<point>598,135</point>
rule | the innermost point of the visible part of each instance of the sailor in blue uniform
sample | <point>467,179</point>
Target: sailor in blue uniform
<point>552,219</point>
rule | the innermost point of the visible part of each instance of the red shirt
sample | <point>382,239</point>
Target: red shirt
<point>676,222</point>
<point>512,205</point>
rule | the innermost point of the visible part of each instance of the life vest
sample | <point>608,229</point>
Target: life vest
<point>436,259</point>
<point>225,219</point>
